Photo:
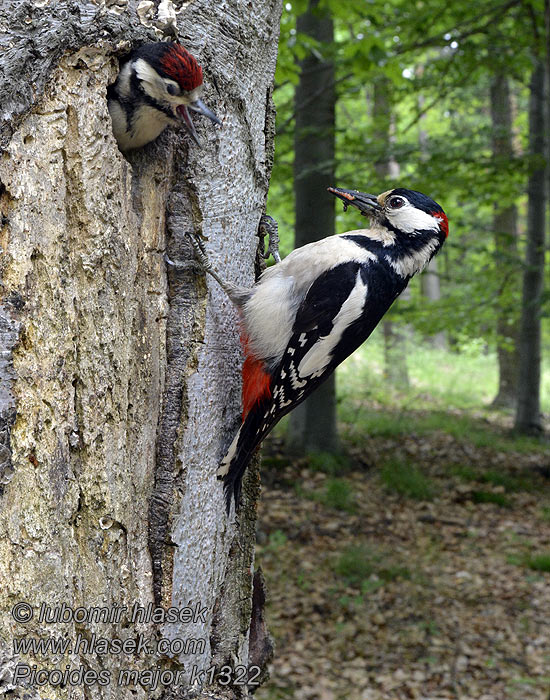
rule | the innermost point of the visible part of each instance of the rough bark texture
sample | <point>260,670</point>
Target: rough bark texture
<point>120,383</point>
<point>312,424</point>
<point>506,250</point>
<point>528,418</point>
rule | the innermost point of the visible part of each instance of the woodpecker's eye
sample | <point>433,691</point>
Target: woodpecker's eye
<point>396,202</point>
<point>172,89</point>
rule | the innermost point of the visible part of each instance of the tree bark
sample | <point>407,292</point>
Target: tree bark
<point>506,250</point>
<point>312,425</point>
<point>121,383</point>
<point>431,290</point>
<point>395,335</point>
<point>528,417</point>
<point>430,281</point>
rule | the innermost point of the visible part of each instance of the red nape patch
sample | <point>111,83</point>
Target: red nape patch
<point>256,381</point>
<point>182,67</point>
<point>444,222</point>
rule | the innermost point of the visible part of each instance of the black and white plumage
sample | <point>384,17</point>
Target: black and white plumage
<point>158,85</point>
<point>308,313</point>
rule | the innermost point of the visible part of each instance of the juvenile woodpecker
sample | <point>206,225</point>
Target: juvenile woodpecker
<point>305,315</point>
<point>158,85</point>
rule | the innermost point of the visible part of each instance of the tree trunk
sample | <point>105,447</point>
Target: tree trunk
<point>506,251</point>
<point>395,335</point>
<point>312,425</point>
<point>431,290</point>
<point>528,418</point>
<point>430,281</point>
<point>121,384</point>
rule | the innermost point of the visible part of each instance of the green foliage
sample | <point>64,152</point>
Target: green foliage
<point>277,540</point>
<point>338,494</point>
<point>437,62</point>
<point>538,562</point>
<point>440,382</point>
<point>535,562</point>
<point>498,499</point>
<point>511,483</point>
<point>328,462</point>
<point>407,480</point>
<point>357,564</point>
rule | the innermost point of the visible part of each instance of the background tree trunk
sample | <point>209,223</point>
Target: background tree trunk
<point>528,418</point>
<point>312,425</point>
<point>506,249</point>
<point>430,281</point>
<point>121,386</point>
<point>395,334</point>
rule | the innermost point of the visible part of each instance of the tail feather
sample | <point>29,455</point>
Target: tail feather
<point>240,452</point>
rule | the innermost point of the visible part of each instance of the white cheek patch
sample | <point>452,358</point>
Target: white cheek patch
<point>147,74</point>
<point>152,83</point>
<point>410,219</point>
<point>320,355</point>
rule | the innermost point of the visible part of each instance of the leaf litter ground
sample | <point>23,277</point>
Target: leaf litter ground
<point>431,584</point>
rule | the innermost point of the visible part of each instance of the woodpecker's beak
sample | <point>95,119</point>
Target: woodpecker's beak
<point>366,203</point>
<point>183,112</point>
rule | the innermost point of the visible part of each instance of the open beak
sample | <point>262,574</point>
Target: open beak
<point>366,203</point>
<point>184,112</point>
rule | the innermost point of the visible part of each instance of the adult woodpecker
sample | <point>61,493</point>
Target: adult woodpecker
<point>158,85</point>
<point>305,315</point>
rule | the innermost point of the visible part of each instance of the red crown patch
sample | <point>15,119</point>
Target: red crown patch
<point>182,67</point>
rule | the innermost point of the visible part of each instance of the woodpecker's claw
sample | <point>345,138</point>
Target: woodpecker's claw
<point>269,227</point>
<point>192,265</point>
<point>238,295</point>
<point>366,203</point>
<point>196,241</point>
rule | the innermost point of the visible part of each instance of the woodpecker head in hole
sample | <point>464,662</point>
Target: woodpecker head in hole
<point>158,85</point>
<point>400,211</point>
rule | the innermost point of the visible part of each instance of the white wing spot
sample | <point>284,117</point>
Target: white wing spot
<point>296,383</point>
<point>319,355</point>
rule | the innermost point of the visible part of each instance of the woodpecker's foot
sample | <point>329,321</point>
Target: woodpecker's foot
<point>196,240</point>
<point>190,265</point>
<point>269,227</point>
<point>238,295</point>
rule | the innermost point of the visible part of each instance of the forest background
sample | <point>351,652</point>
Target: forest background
<point>405,545</point>
<point>449,100</point>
